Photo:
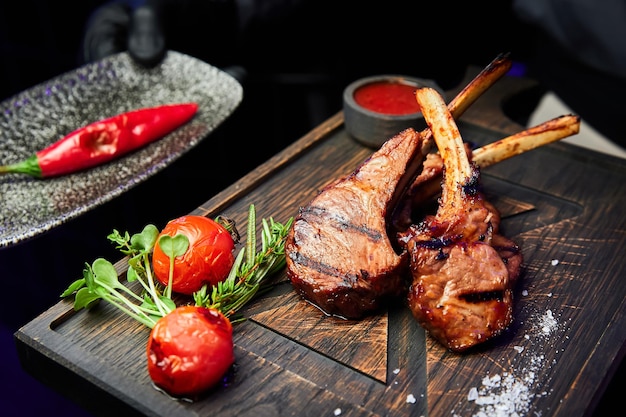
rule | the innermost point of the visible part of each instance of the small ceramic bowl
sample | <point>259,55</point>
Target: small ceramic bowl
<point>378,107</point>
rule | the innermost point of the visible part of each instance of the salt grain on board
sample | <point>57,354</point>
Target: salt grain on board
<point>509,394</point>
<point>548,323</point>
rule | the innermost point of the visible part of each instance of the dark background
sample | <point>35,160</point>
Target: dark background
<point>295,71</point>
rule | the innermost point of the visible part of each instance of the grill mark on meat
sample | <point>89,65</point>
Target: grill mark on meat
<point>320,267</point>
<point>437,242</point>
<point>329,270</point>
<point>482,296</point>
<point>310,213</point>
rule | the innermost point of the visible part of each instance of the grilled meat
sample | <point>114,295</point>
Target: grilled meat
<point>339,255</point>
<point>463,270</point>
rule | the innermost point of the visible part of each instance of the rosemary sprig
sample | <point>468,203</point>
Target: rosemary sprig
<point>100,280</point>
<point>245,278</point>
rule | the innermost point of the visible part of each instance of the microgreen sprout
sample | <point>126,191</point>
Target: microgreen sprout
<point>173,247</point>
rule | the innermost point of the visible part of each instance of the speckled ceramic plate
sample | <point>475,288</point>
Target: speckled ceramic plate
<point>43,114</point>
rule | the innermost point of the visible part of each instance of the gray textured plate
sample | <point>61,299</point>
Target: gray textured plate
<point>43,114</point>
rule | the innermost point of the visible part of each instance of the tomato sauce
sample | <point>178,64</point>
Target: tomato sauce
<point>387,98</point>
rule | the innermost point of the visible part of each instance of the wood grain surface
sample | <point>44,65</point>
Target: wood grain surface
<point>563,205</point>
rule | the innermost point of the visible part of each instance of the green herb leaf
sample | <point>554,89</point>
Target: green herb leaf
<point>85,298</point>
<point>105,273</point>
<point>144,242</point>
<point>74,287</point>
<point>174,246</point>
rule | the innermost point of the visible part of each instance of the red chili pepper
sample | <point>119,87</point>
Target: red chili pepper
<point>105,140</point>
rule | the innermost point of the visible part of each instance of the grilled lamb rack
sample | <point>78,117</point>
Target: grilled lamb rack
<point>339,255</point>
<point>463,270</point>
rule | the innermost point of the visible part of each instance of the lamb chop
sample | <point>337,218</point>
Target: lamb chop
<point>339,256</point>
<point>338,252</point>
<point>463,270</point>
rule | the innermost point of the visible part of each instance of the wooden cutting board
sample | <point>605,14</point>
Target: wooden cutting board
<point>561,204</point>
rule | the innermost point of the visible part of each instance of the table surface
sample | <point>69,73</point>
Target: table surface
<point>562,204</point>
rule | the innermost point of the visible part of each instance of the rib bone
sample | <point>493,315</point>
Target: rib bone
<point>526,140</point>
<point>427,185</point>
<point>472,91</point>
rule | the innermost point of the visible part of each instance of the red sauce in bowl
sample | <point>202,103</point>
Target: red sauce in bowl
<point>387,97</point>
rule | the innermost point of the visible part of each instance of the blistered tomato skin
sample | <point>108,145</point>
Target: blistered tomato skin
<point>208,260</point>
<point>190,350</point>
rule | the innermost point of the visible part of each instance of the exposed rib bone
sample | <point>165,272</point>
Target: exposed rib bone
<point>499,66</point>
<point>429,185</point>
<point>526,140</point>
<point>339,254</point>
<point>472,91</point>
<point>457,106</point>
<point>449,142</point>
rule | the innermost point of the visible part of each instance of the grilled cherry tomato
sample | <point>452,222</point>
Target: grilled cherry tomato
<point>208,259</point>
<point>190,350</point>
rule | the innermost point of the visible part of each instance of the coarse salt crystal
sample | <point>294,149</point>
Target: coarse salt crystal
<point>492,381</point>
<point>548,322</point>
<point>337,411</point>
<point>472,394</point>
<point>410,399</point>
<point>554,262</point>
